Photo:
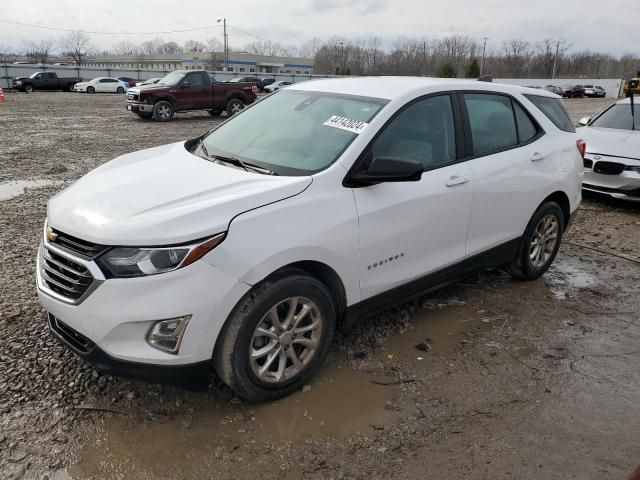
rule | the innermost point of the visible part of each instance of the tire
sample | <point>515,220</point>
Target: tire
<point>256,378</point>
<point>91,90</point>
<point>28,88</point>
<point>524,267</point>
<point>163,111</point>
<point>120,90</point>
<point>234,106</point>
<point>215,112</point>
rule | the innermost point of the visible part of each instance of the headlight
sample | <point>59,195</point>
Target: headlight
<point>126,262</point>
<point>18,82</point>
<point>633,169</point>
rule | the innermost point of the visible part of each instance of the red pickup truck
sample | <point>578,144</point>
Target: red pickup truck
<point>185,90</point>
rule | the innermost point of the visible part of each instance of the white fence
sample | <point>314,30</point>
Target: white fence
<point>612,86</point>
<point>10,71</point>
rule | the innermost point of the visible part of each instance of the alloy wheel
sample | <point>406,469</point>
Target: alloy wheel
<point>164,112</point>
<point>285,340</point>
<point>543,243</point>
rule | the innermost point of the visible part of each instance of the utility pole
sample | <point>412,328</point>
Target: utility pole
<point>226,43</point>
<point>342,57</point>
<point>424,58</point>
<point>555,60</point>
<point>484,49</point>
<point>597,67</point>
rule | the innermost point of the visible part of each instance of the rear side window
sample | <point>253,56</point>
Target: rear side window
<point>554,110</point>
<point>493,126</point>
<point>526,128</point>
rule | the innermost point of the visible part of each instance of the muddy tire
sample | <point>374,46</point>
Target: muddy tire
<point>91,90</point>
<point>234,106</point>
<point>276,337</point>
<point>163,111</point>
<point>540,243</point>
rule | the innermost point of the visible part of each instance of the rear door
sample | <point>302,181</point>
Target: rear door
<point>50,81</point>
<point>410,229</point>
<point>508,158</point>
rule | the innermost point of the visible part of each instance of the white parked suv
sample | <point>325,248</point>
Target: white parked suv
<point>244,249</point>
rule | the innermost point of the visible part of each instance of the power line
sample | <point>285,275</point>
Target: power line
<point>249,34</point>
<point>116,33</point>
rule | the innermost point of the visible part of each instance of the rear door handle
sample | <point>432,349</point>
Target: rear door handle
<point>537,156</point>
<point>457,180</point>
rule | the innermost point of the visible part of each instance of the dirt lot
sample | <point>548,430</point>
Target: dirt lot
<point>523,380</point>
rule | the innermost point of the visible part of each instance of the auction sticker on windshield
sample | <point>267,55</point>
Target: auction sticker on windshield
<point>345,123</point>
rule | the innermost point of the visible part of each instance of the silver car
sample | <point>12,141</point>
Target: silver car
<point>612,161</point>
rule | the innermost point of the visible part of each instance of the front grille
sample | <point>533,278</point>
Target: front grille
<point>609,168</point>
<point>74,339</point>
<point>587,163</point>
<point>78,247</point>
<point>63,276</point>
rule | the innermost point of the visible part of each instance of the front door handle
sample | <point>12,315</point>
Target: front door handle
<point>537,156</point>
<point>457,180</point>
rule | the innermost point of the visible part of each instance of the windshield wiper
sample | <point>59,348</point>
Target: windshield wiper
<point>236,161</point>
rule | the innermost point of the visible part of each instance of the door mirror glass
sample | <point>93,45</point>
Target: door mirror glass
<point>584,120</point>
<point>388,169</point>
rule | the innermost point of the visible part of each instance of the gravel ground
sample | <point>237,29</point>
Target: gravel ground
<point>519,380</point>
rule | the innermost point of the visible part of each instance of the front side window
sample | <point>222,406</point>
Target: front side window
<point>493,126</point>
<point>195,79</point>
<point>554,110</point>
<point>617,116</point>
<point>294,132</point>
<point>422,132</point>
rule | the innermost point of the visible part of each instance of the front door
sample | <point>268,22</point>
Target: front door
<point>410,229</point>
<point>196,92</point>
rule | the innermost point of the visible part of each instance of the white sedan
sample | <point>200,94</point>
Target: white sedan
<point>612,161</point>
<point>101,85</point>
<point>275,86</point>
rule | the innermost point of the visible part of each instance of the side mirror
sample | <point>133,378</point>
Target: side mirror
<point>185,85</point>
<point>387,169</point>
<point>584,121</point>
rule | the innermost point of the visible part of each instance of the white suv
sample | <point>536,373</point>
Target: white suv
<point>245,249</point>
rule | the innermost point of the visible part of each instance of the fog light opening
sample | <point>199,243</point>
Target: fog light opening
<point>166,335</point>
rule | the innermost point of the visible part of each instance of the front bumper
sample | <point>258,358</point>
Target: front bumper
<point>118,314</point>
<point>137,107</point>
<point>624,185</point>
<point>192,376</point>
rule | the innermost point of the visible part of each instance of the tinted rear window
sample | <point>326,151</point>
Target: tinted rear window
<point>554,110</point>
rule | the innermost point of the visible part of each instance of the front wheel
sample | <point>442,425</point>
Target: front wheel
<point>28,88</point>
<point>234,106</point>
<point>540,243</point>
<point>276,337</point>
<point>163,111</point>
<point>91,90</point>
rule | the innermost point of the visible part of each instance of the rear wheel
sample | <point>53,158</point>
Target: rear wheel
<point>120,90</point>
<point>163,111</point>
<point>540,243</point>
<point>91,90</point>
<point>277,337</point>
<point>234,106</point>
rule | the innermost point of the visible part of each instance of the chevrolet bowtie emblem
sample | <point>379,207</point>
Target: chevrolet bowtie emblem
<point>51,235</point>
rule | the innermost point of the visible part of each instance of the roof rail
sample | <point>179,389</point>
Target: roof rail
<point>486,78</point>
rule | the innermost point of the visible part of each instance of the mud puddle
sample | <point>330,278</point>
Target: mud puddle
<point>340,401</point>
<point>9,190</point>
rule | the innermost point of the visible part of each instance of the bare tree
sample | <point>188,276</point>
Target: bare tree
<point>77,45</point>
<point>39,51</point>
<point>152,46</point>
<point>516,54</point>
<point>194,46</point>
<point>7,54</point>
<point>549,53</point>
<point>126,48</point>
<point>214,45</point>
<point>170,48</point>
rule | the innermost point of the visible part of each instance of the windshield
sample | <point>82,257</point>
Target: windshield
<point>34,75</point>
<point>172,78</point>
<point>618,116</point>
<point>294,132</point>
<point>235,80</point>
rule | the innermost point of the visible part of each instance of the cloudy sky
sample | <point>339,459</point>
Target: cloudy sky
<point>610,26</point>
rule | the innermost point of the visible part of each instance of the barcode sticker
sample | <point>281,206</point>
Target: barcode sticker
<point>344,123</point>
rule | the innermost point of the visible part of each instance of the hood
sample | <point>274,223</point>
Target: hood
<point>611,141</point>
<point>163,196</point>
